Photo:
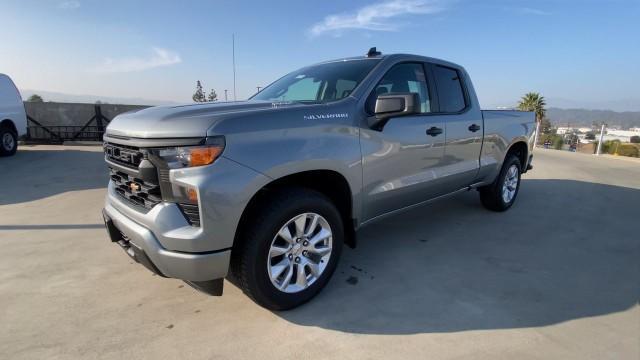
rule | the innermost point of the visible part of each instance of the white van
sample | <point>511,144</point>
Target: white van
<point>13,118</point>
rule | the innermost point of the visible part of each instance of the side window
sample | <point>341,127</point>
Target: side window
<point>344,87</point>
<point>407,77</point>
<point>450,92</point>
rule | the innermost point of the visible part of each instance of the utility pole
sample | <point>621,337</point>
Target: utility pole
<point>600,141</point>
<point>233,50</point>
<point>225,95</point>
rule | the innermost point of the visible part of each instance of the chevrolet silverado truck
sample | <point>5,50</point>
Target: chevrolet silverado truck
<point>265,192</point>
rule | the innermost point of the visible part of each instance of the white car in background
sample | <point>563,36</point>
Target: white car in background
<point>13,118</point>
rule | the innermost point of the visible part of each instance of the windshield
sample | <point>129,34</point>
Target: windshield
<point>320,83</point>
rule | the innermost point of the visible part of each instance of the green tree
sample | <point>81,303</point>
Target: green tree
<point>610,146</point>
<point>199,96</point>
<point>635,139</point>
<point>545,126</point>
<point>533,102</point>
<point>35,98</point>
<point>590,136</point>
<point>558,142</point>
<point>212,96</point>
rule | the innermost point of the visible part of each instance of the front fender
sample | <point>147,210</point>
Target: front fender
<point>281,152</point>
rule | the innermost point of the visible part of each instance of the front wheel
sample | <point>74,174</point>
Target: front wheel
<point>500,195</point>
<point>290,250</point>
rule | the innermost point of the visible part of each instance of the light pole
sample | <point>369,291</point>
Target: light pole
<point>233,54</point>
<point>600,141</point>
<point>225,95</point>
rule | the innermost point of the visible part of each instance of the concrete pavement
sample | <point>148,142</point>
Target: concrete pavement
<point>557,276</point>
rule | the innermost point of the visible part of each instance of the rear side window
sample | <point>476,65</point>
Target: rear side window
<point>450,91</point>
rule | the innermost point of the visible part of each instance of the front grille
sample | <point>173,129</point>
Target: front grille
<point>191,213</point>
<point>136,191</point>
<point>128,156</point>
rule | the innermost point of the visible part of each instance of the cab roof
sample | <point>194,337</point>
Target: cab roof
<point>395,58</point>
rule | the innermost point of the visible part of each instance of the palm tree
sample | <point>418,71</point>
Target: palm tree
<point>533,102</point>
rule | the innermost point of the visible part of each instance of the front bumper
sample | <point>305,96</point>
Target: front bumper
<point>142,246</point>
<point>162,238</point>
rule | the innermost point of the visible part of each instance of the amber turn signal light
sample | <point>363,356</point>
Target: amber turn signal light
<point>192,194</point>
<point>204,155</point>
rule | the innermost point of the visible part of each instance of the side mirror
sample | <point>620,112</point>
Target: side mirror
<point>394,105</point>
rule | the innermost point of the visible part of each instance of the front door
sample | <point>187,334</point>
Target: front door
<point>401,163</point>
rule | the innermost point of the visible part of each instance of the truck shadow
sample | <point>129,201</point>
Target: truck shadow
<point>33,174</point>
<point>566,250</point>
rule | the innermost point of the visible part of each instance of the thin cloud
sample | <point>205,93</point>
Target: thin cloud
<point>376,17</point>
<point>69,4</point>
<point>159,57</point>
<point>532,11</point>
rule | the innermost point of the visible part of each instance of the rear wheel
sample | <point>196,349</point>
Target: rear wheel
<point>8,142</point>
<point>290,249</point>
<point>500,195</point>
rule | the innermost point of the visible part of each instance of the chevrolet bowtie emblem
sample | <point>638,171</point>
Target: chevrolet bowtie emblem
<point>134,186</point>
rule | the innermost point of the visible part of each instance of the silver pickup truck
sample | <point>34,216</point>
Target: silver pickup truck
<point>266,191</point>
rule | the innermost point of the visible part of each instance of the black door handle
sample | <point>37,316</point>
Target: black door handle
<point>434,131</point>
<point>474,127</point>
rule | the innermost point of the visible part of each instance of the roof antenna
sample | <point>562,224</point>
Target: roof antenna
<point>373,52</point>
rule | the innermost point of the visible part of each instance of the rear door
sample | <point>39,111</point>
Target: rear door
<point>463,123</point>
<point>401,162</point>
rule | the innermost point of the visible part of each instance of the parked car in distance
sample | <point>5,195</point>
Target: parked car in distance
<point>266,191</point>
<point>13,118</point>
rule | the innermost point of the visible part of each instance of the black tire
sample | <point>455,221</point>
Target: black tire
<point>4,151</point>
<point>251,252</point>
<point>491,195</point>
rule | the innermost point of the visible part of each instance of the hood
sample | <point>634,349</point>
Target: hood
<point>182,121</point>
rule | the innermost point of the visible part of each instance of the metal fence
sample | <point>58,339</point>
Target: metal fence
<point>92,130</point>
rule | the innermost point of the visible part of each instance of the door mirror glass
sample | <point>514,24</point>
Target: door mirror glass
<point>394,105</point>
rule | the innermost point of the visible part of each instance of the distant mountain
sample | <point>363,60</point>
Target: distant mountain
<point>91,99</point>
<point>620,105</point>
<point>583,117</point>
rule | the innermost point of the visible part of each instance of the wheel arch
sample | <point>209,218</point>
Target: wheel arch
<point>9,124</point>
<point>330,183</point>
<point>521,150</point>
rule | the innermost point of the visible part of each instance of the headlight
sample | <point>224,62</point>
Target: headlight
<point>179,157</point>
<point>190,156</point>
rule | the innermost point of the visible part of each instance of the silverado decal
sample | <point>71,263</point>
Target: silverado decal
<point>279,104</point>
<point>325,116</point>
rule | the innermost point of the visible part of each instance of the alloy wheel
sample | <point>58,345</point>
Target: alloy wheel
<point>8,142</point>
<point>299,252</point>
<point>510,184</point>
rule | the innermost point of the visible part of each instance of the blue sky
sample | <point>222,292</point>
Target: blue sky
<point>582,53</point>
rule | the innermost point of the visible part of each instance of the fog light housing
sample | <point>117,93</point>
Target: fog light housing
<point>184,194</point>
